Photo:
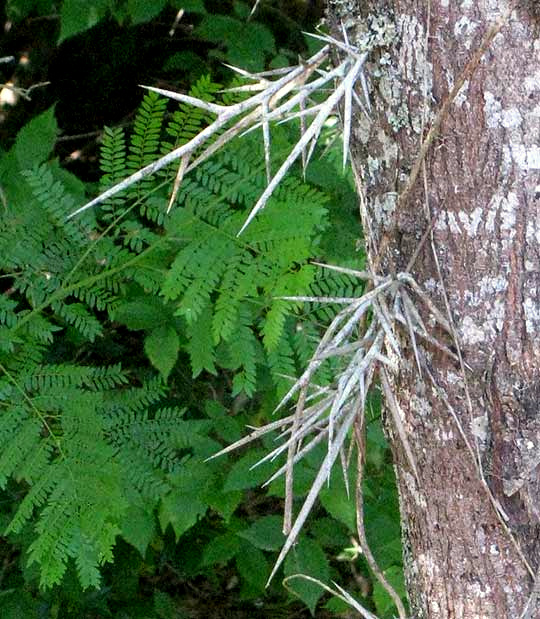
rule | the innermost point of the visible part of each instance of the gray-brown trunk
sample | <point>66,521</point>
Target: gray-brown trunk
<point>482,183</point>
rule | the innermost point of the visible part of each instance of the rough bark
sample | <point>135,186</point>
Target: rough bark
<point>482,184</point>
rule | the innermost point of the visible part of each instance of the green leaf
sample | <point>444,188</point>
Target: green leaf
<point>221,549</point>
<point>190,6</point>
<point>181,512</point>
<point>162,347</point>
<point>187,502</point>
<point>164,605</point>
<point>303,480</point>
<point>17,603</point>
<point>242,10</point>
<point>143,10</point>
<point>186,61</point>
<point>225,503</point>
<point>253,567</point>
<point>247,43</point>
<point>18,9</point>
<point>330,533</point>
<point>35,141</point>
<point>144,313</point>
<point>241,477</point>
<point>80,15</point>
<point>381,516</point>
<point>336,502</point>
<point>307,558</point>
<point>230,429</point>
<point>265,533</point>
<point>383,602</point>
<point>138,528</point>
<point>338,607</point>
<point>201,346</point>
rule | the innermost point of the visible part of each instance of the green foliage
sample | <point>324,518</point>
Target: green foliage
<point>79,15</point>
<point>19,9</point>
<point>76,16</point>
<point>162,345</point>
<point>96,452</point>
<point>308,559</point>
<point>223,287</point>
<point>246,47</point>
<point>134,344</point>
<point>30,151</point>
<point>265,533</point>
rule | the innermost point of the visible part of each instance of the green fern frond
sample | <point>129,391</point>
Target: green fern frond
<point>84,498</point>
<point>58,204</point>
<point>8,316</point>
<point>40,328</point>
<point>243,182</point>
<point>44,481</point>
<point>112,160</point>
<point>50,549</point>
<point>135,425</point>
<point>69,375</point>
<point>274,322</point>
<point>101,378</point>
<point>75,524</point>
<point>150,270</point>
<point>145,138</point>
<point>242,353</point>
<point>108,442</point>
<point>101,297</point>
<point>238,283</point>
<point>23,441</point>
<point>188,121</point>
<point>33,468</point>
<point>7,342</point>
<point>134,398</point>
<point>151,435</point>
<point>200,346</point>
<point>328,283</point>
<point>151,484</point>
<point>77,315</point>
<point>281,360</point>
<point>211,258</point>
<point>135,235</point>
<point>290,284</point>
<point>29,351</point>
<point>154,207</point>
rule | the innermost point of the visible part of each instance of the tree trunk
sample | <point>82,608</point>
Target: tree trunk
<point>471,547</point>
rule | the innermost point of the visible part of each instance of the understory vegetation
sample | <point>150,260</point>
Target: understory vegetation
<point>136,343</point>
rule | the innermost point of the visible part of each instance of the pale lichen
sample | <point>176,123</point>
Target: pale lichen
<point>531,309</point>
<point>479,427</point>
<point>384,206</point>
<point>526,157</point>
<point>470,332</point>
<point>471,221</point>
<point>464,30</point>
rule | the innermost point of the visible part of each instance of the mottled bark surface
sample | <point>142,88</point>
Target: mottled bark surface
<point>482,182</point>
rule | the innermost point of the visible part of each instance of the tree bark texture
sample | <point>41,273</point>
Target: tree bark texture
<point>481,188</point>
